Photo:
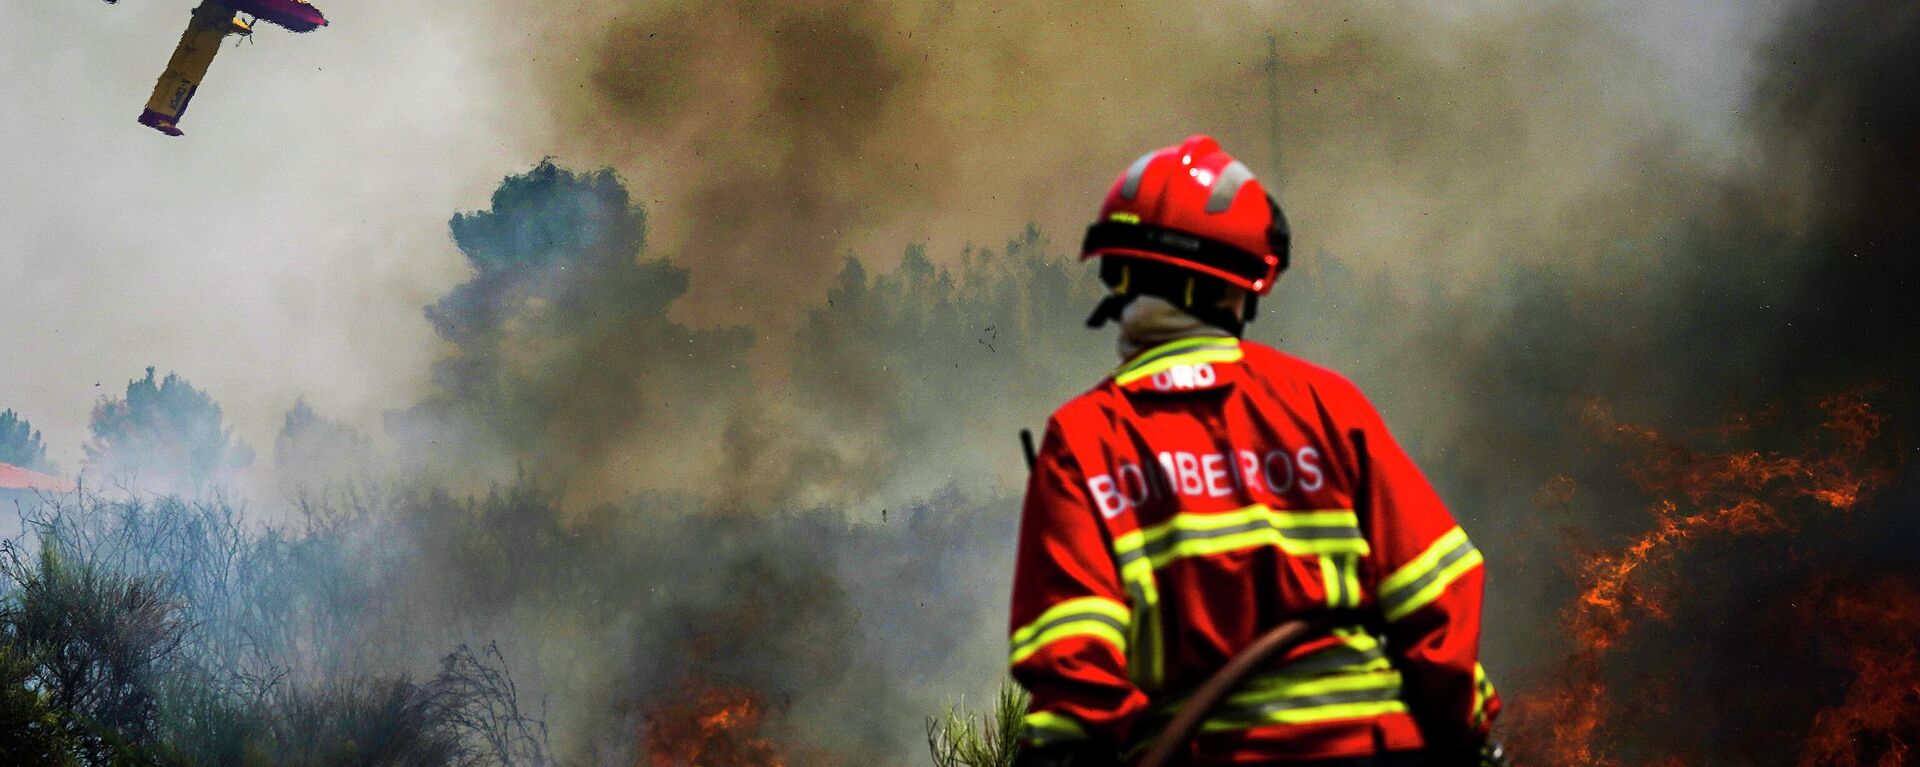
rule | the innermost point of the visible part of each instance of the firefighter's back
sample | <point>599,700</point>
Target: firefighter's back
<point>1213,489</point>
<point>1226,479</point>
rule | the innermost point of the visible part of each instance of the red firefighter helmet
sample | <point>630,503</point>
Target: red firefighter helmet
<point>1194,207</point>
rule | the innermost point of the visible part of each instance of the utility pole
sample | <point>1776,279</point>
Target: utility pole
<point>1273,111</point>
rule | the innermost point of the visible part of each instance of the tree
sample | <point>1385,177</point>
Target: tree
<point>20,445</point>
<point>563,360</point>
<point>166,435</point>
<point>910,369</point>
<point>314,450</point>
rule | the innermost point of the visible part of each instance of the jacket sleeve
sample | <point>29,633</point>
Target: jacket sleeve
<point>1427,578</point>
<point>1071,617</point>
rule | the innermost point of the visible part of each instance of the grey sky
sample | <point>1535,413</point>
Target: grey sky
<point>282,248</point>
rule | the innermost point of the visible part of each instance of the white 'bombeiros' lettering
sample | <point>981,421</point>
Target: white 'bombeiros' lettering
<point>1310,477</point>
<point>1249,469</point>
<point>1190,482</point>
<point>1282,481</point>
<point>1106,496</point>
<point>1140,490</point>
<point>1213,466</point>
<point>1209,475</point>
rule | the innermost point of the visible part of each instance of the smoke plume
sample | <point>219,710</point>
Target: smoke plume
<point>1502,217</point>
<point>729,424</point>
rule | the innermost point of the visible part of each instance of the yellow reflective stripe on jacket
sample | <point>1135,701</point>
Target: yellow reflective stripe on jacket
<point>1354,678</point>
<point>1482,693</point>
<point>1186,351</point>
<point>1330,532</point>
<point>1145,662</point>
<point>1322,532</point>
<point>1357,652</point>
<point>1419,582</point>
<point>1294,700</point>
<point>1042,728</point>
<point>1340,575</point>
<point>1096,617</point>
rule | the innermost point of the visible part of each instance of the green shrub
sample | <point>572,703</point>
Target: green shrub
<point>32,732</point>
<point>961,738</point>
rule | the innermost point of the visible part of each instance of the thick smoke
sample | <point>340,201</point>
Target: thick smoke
<point>164,436</point>
<point>1501,214</point>
<point>1442,151</point>
<point>1494,228</point>
<point>1742,297</point>
<point>774,139</point>
<point>564,363</point>
<point>622,557</point>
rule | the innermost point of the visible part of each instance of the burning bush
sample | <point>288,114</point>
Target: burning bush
<point>1870,631</point>
<point>708,726</point>
<point>1592,713</point>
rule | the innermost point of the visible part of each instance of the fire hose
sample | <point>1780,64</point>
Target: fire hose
<point>1276,642</point>
<point>1180,731</point>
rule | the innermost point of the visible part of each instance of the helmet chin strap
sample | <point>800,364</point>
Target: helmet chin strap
<point>1109,309</point>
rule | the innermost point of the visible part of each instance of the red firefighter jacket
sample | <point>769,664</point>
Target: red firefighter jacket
<point>1205,493</point>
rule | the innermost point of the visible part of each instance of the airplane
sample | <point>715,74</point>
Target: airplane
<point>212,21</point>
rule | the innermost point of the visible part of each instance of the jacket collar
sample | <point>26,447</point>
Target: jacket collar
<point>1187,364</point>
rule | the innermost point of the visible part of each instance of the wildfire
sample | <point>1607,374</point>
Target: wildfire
<point>1875,632</point>
<point>709,726</point>
<point>1700,496</point>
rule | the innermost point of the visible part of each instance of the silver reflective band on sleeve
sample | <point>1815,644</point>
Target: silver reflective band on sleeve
<point>1041,728</point>
<point>1094,617</point>
<point>1418,583</point>
<point>1482,694</point>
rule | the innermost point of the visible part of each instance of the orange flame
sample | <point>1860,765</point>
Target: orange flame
<point>1700,496</point>
<point>1877,634</point>
<point>708,726</point>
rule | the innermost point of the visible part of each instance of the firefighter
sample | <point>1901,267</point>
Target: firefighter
<point>1212,488</point>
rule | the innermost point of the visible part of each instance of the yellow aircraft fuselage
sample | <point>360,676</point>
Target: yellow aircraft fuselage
<point>211,24</point>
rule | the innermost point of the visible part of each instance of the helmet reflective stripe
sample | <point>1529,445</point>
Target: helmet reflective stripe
<point>1131,187</point>
<point>1232,177</point>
